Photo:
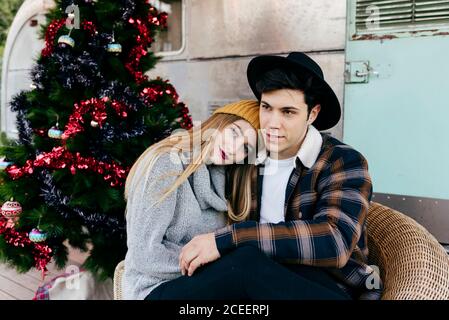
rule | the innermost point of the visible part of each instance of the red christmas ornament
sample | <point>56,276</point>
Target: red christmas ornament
<point>11,209</point>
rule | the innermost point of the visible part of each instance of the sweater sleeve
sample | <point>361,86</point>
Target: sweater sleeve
<point>149,253</point>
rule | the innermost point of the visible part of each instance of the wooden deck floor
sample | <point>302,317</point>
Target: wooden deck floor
<point>15,286</point>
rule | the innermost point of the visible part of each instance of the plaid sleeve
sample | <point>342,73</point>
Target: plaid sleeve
<point>326,240</point>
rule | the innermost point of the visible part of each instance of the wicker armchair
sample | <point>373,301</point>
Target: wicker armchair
<point>413,265</point>
<point>118,273</point>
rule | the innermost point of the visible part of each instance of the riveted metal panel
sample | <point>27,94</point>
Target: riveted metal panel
<point>432,213</point>
<point>244,27</point>
<point>202,83</point>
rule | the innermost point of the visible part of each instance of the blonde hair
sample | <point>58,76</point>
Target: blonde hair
<point>238,182</point>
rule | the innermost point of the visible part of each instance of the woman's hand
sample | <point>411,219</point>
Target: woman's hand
<point>200,250</point>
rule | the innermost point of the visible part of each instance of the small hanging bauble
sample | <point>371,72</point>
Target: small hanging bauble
<point>55,133</point>
<point>94,123</point>
<point>115,48</point>
<point>66,41</point>
<point>11,209</point>
<point>4,164</point>
<point>37,235</point>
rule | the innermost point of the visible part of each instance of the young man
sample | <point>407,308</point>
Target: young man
<point>312,199</point>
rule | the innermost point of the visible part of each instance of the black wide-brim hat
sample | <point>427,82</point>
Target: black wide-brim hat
<point>299,63</point>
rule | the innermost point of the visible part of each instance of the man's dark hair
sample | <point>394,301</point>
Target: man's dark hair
<point>276,79</point>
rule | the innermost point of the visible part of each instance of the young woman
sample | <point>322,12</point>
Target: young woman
<point>190,183</point>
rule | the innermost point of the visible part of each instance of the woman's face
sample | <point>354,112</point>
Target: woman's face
<point>233,143</point>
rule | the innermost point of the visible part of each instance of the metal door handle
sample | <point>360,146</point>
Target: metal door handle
<point>364,74</point>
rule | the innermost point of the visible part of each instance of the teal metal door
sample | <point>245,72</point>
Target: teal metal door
<point>396,109</point>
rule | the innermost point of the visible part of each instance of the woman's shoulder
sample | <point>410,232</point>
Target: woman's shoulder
<point>162,164</point>
<point>169,160</point>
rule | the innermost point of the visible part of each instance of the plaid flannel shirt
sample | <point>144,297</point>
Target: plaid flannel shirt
<point>325,211</point>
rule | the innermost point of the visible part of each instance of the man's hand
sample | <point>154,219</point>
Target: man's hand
<point>200,250</point>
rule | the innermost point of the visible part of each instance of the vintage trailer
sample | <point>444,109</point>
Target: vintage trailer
<point>385,59</point>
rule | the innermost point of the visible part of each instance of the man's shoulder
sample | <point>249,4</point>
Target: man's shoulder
<point>334,149</point>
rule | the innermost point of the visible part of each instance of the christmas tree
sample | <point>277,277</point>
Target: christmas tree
<point>89,114</point>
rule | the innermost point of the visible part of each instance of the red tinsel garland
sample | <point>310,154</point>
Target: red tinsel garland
<point>60,158</point>
<point>156,18</point>
<point>155,92</point>
<point>50,35</point>
<point>144,40</point>
<point>42,253</point>
<point>186,119</point>
<point>89,27</point>
<point>53,29</point>
<point>97,107</point>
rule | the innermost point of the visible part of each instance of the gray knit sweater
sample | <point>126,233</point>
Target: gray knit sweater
<point>156,235</point>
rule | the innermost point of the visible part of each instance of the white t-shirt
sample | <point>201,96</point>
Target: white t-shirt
<point>275,179</point>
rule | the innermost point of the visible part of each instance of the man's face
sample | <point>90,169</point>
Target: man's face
<point>284,121</point>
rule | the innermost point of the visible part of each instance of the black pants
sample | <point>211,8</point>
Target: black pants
<point>248,274</point>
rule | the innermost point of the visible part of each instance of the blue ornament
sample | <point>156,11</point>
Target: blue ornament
<point>65,41</point>
<point>114,48</point>
<point>55,133</point>
<point>37,235</point>
<point>4,164</point>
